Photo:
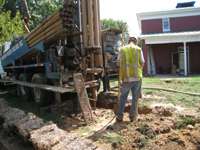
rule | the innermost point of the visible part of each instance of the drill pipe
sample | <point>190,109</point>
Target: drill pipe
<point>96,23</point>
<point>43,27</point>
<point>47,30</point>
<point>49,18</point>
<point>57,35</point>
<point>90,20</point>
<point>47,35</point>
<point>84,16</point>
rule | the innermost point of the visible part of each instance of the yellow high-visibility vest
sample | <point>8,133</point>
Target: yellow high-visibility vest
<point>129,62</point>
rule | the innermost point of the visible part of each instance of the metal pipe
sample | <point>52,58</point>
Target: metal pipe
<point>96,24</point>
<point>80,26</point>
<point>43,27</point>
<point>57,35</point>
<point>25,27</point>
<point>49,18</point>
<point>90,20</point>
<point>27,18</point>
<point>46,31</point>
<point>47,35</point>
<point>84,19</point>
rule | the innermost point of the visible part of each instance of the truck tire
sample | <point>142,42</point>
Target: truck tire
<point>2,85</point>
<point>25,91</point>
<point>41,97</point>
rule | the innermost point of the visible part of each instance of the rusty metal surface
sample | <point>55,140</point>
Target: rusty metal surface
<point>42,86</point>
<point>47,87</point>
<point>83,98</point>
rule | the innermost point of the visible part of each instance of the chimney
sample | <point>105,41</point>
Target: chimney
<point>185,4</point>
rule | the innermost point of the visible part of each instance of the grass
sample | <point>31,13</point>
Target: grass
<point>85,131</point>
<point>184,100</point>
<point>183,124</point>
<point>113,138</point>
<point>143,129</point>
<point>109,113</point>
<point>186,85</point>
<point>10,95</point>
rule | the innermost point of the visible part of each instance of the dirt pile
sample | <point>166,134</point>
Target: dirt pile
<point>29,123</point>
<point>10,117</point>
<point>44,136</point>
<point>156,130</point>
<point>183,139</point>
<point>51,137</point>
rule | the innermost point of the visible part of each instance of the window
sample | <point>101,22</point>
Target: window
<point>166,25</point>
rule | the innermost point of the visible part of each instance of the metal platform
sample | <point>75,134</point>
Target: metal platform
<point>56,89</point>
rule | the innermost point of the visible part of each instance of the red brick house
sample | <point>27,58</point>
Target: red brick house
<point>171,37</point>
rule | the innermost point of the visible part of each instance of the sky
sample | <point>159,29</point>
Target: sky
<point>126,10</point>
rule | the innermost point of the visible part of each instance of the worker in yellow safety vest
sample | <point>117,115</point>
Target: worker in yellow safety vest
<point>130,61</point>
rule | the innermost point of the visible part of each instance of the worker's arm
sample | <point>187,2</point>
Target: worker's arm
<point>117,63</point>
<point>142,60</point>
<point>142,65</point>
<point>118,60</point>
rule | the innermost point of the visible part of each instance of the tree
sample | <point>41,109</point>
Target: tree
<point>110,23</point>
<point>10,27</point>
<point>139,42</point>
<point>38,9</point>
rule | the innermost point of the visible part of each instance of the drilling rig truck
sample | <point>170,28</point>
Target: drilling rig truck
<point>69,41</point>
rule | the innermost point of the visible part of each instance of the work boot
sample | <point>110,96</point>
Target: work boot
<point>119,119</point>
<point>133,119</point>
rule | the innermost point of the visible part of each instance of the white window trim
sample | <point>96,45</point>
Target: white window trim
<point>165,30</point>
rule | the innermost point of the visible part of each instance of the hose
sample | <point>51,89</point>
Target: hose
<point>106,124</point>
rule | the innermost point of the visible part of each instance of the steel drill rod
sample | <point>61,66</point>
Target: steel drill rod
<point>61,21</point>
<point>96,23</point>
<point>44,22</point>
<point>49,23</point>
<point>91,23</point>
<point>46,35</point>
<point>84,20</point>
<point>57,35</point>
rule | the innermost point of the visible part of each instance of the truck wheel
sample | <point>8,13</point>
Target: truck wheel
<point>2,85</point>
<point>24,90</point>
<point>41,97</point>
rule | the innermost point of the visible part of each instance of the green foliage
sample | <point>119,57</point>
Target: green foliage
<point>143,129</point>
<point>183,124</point>
<point>140,42</point>
<point>2,2</point>
<point>42,8</point>
<point>10,27</point>
<point>110,23</point>
<point>38,9</point>
<point>85,131</point>
<point>113,138</point>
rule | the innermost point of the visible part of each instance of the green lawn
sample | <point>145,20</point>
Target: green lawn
<point>188,85</point>
<point>191,85</point>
